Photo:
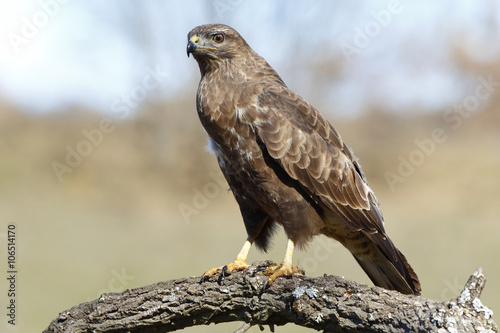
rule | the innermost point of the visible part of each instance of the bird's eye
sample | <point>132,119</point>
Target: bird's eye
<point>219,38</point>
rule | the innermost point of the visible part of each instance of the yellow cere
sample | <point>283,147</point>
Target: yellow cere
<point>196,40</point>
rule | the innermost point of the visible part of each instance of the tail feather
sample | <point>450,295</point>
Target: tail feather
<point>385,273</point>
<point>411,276</point>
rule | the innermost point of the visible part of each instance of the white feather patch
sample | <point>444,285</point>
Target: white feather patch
<point>240,112</point>
<point>214,148</point>
<point>210,147</point>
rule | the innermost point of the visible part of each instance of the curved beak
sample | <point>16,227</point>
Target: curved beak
<point>194,45</point>
<point>191,47</point>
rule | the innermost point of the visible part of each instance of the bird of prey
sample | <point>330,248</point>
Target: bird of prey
<point>286,164</point>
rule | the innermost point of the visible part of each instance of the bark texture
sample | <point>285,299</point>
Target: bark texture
<point>328,303</point>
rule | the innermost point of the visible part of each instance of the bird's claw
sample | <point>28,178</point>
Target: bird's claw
<point>281,270</point>
<point>225,270</point>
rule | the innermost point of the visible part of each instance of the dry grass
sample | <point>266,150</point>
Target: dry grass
<point>114,222</point>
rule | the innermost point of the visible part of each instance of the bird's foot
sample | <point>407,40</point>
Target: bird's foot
<point>283,269</point>
<point>237,265</point>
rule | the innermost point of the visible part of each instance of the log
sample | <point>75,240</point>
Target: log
<point>328,303</point>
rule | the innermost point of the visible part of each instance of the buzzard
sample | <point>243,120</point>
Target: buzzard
<point>286,164</point>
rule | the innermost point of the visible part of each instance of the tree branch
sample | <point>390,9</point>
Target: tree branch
<point>328,303</point>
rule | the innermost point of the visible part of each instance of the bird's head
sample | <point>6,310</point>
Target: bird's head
<point>214,42</point>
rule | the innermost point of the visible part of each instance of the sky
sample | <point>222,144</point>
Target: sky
<point>60,53</point>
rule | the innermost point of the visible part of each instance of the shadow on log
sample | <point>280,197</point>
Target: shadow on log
<point>328,303</point>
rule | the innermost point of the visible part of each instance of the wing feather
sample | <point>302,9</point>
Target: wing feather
<point>311,151</point>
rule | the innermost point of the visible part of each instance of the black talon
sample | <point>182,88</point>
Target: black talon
<point>222,275</point>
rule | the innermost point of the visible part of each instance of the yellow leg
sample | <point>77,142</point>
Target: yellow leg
<point>242,256</point>
<point>286,268</point>
<point>239,264</point>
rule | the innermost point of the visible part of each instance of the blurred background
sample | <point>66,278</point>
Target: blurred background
<point>103,165</point>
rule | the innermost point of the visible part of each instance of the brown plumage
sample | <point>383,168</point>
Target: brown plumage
<point>285,163</point>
